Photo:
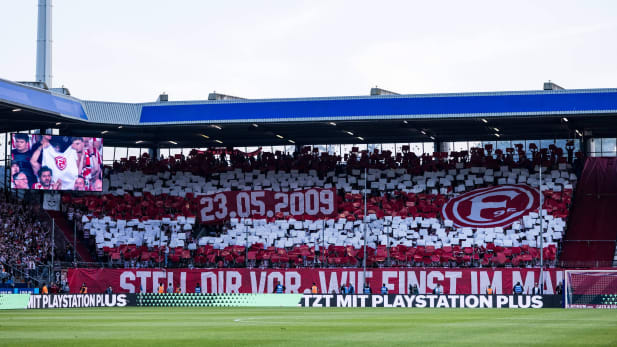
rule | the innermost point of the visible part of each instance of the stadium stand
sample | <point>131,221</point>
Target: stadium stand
<point>145,217</point>
<point>25,242</point>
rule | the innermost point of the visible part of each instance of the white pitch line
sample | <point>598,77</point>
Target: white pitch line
<point>582,320</point>
<point>254,320</point>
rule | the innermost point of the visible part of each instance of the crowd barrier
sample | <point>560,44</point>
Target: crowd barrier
<point>31,301</point>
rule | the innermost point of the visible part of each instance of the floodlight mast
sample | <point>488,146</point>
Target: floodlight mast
<point>43,44</point>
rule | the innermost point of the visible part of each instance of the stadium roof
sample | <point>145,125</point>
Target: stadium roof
<point>356,119</point>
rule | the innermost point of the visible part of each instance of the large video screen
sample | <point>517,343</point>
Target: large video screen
<point>48,162</point>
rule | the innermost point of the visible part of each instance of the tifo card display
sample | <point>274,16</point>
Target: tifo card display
<point>316,203</point>
<point>498,206</point>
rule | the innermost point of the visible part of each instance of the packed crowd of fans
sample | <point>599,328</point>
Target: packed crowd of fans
<point>138,200</point>
<point>25,240</point>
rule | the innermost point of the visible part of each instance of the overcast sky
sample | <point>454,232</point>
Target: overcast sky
<point>132,50</point>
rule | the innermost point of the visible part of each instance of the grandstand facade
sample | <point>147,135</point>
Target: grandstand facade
<point>472,180</point>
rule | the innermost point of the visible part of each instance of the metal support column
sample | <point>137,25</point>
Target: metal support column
<point>7,168</point>
<point>388,230</point>
<point>246,246</point>
<point>541,232</point>
<point>53,247</point>
<point>364,226</point>
<point>323,242</point>
<point>74,242</point>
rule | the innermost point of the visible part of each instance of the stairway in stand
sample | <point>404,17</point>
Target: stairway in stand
<point>67,230</point>
<point>592,230</point>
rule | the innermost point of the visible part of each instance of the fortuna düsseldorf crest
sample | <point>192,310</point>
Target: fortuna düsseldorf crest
<point>491,207</point>
<point>61,162</point>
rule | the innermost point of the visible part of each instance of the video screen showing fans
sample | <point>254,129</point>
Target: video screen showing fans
<point>48,162</point>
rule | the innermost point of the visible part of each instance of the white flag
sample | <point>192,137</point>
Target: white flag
<point>51,201</point>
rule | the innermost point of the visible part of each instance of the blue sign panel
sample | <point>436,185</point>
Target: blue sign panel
<point>363,108</point>
<point>19,290</point>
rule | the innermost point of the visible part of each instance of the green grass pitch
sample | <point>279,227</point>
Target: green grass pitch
<point>317,327</point>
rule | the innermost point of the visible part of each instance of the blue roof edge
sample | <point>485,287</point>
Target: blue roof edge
<point>42,100</point>
<point>420,106</point>
<point>415,106</point>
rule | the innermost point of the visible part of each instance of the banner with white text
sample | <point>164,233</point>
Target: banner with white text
<point>307,203</point>
<point>81,300</point>
<point>432,301</point>
<point>328,281</point>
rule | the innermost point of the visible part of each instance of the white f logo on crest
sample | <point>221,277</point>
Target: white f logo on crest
<point>478,204</point>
